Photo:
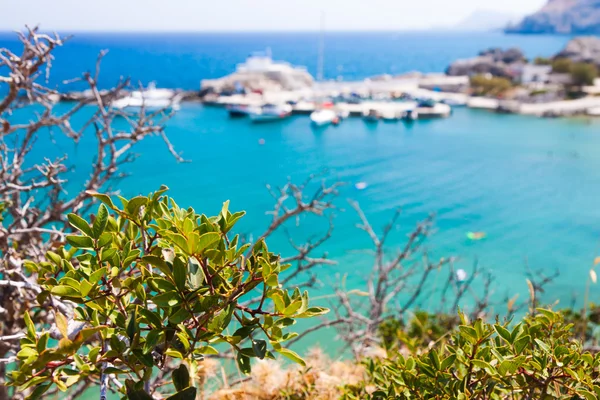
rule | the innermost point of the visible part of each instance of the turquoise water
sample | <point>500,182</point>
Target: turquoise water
<point>531,184</point>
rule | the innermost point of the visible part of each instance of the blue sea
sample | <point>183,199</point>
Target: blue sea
<point>532,185</point>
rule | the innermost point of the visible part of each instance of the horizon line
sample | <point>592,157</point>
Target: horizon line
<point>220,31</point>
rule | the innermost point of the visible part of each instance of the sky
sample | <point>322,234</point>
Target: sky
<point>247,15</point>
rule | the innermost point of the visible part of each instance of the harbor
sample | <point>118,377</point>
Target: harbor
<point>267,90</point>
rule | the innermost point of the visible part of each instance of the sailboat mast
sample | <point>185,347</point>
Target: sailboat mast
<point>321,59</point>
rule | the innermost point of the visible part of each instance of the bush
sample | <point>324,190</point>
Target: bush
<point>153,286</point>
<point>542,61</point>
<point>535,359</point>
<point>584,74</point>
<point>562,65</point>
<point>490,86</point>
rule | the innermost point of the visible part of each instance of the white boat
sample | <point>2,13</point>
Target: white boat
<point>323,117</point>
<point>270,112</point>
<point>151,99</point>
<point>390,116</point>
<point>241,110</point>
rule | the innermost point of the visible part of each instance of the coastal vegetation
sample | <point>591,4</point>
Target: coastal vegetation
<point>485,85</point>
<point>147,299</point>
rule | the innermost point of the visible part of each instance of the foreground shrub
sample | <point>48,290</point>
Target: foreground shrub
<point>153,287</point>
<point>536,359</point>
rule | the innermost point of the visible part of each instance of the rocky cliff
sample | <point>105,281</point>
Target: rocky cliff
<point>563,17</point>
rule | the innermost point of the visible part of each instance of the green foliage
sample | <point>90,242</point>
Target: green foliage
<point>490,85</point>
<point>535,359</point>
<point>562,65</point>
<point>583,74</point>
<point>422,329</point>
<point>156,284</point>
<point>542,61</point>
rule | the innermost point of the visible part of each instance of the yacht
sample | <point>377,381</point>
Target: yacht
<point>151,99</point>
<point>270,112</point>
<point>324,117</point>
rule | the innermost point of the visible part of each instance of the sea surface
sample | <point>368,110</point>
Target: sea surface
<point>532,185</point>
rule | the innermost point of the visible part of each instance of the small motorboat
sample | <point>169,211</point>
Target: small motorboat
<point>151,99</point>
<point>240,110</point>
<point>371,115</point>
<point>390,116</point>
<point>410,115</point>
<point>270,113</point>
<point>323,117</point>
<point>426,103</point>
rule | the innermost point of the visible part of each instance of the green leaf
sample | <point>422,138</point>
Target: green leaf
<point>180,241</point>
<point>543,346</point>
<point>151,318</point>
<point>313,312</point>
<point>100,222</point>
<point>102,197</point>
<point>134,205</point>
<point>181,378</point>
<point>158,263</point>
<point>151,340</point>
<point>468,333</point>
<point>186,394</point>
<point>205,241</point>
<point>447,362</point>
<point>207,350</point>
<point>179,273</point>
<point>135,394</point>
<point>484,365</point>
<point>503,333</point>
<point>181,315</point>
<point>29,324</point>
<point>96,276</point>
<point>85,287</point>
<point>80,242</point>
<point>80,224</point>
<point>521,343</point>
<point>260,348</point>
<point>588,395</point>
<point>39,391</point>
<point>291,355</point>
<point>243,363</point>
<point>65,291</point>
<point>168,299</point>
<point>132,327</point>
<point>197,277</point>
<point>508,367</point>
<point>62,324</point>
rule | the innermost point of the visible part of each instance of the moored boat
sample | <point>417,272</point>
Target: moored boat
<point>151,99</point>
<point>240,110</point>
<point>270,112</point>
<point>371,115</point>
<point>410,115</point>
<point>391,116</point>
<point>323,117</point>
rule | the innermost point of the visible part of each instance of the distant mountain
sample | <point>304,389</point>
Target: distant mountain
<point>563,17</point>
<point>486,20</point>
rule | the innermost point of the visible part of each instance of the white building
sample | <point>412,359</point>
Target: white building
<point>535,73</point>
<point>260,72</point>
<point>261,62</point>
